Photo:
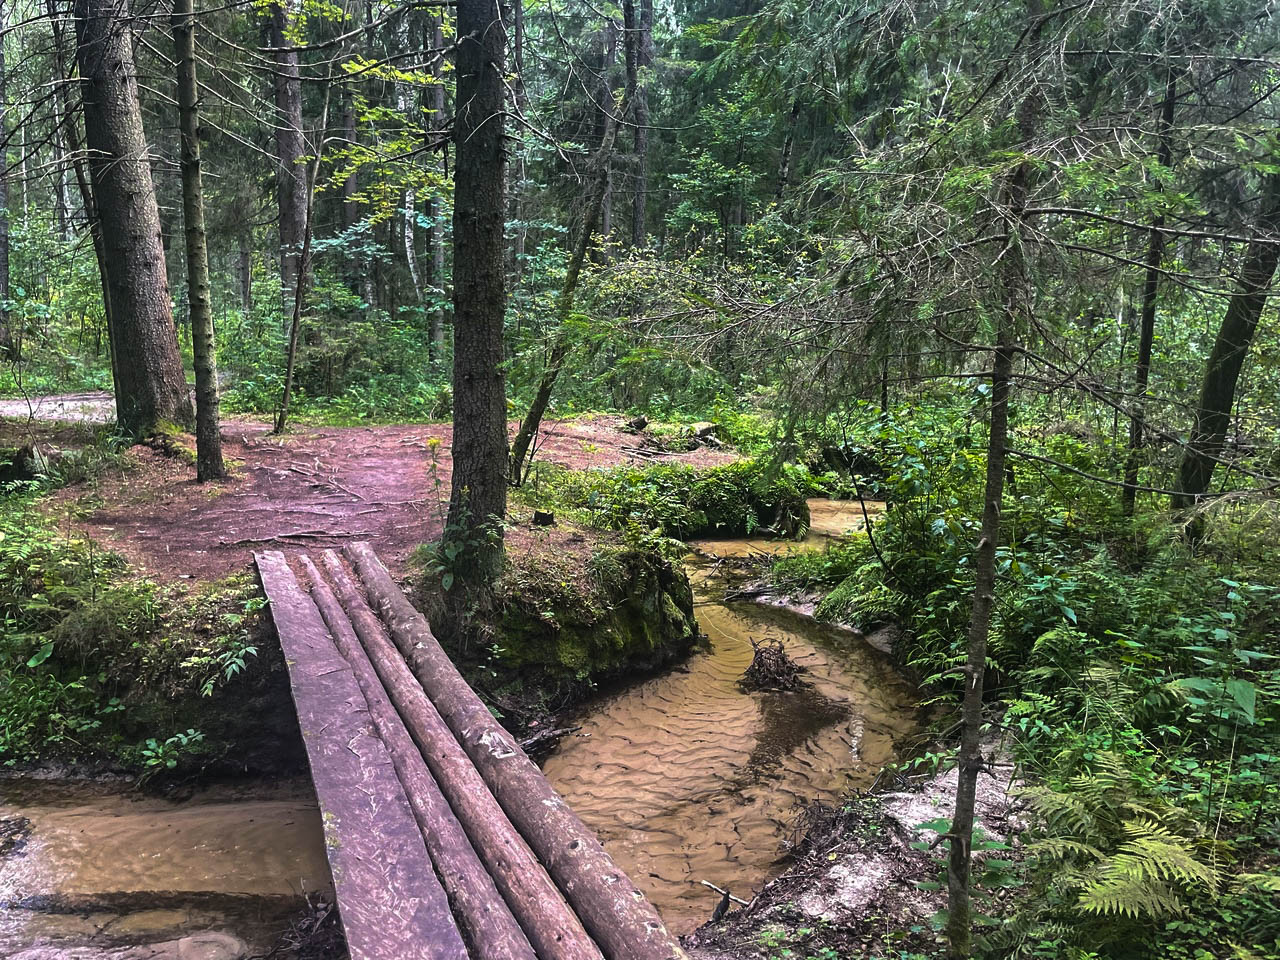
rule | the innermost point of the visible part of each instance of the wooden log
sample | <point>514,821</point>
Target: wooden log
<point>391,903</point>
<point>551,926</point>
<point>487,923</point>
<point>614,912</point>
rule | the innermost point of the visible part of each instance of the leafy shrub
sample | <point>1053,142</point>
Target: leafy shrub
<point>684,502</point>
<point>91,655</point>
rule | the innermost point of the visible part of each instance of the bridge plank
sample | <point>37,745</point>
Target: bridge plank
<point>615,913</point>
<point>484,917</point>
<point>391,902</point>
<point>553,929</point>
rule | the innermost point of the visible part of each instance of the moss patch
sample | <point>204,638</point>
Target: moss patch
<point>97,661</point>
<point>581,608</point>
<point>733,499</point>
<point>632,612</point>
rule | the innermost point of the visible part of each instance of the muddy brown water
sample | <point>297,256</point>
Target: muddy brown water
<point>89,867</point>
<point>684,776</point>
<point>687,778</point>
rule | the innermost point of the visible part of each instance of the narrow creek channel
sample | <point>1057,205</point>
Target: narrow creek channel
<point>687,778</point>
<point>91,869</point>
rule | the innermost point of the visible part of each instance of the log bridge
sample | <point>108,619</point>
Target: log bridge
<point>446,842</point>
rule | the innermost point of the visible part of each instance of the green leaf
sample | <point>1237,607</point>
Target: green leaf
<point>940,825</point>
<point>41,655</point>
<point>1245,695</point>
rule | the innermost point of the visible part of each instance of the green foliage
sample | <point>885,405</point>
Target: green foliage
<point>93,655</point>
<point>1137,679</point>
<point>684,502</point>
<point>158,756</point>
<point>355,365</point>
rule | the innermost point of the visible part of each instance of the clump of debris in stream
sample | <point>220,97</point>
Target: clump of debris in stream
<point>316,934</point>
<point>771,668</point>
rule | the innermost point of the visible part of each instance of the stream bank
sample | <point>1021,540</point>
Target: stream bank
<point>687,777</point>
<point>93,869</point>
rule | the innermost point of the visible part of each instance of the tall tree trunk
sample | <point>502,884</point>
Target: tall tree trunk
<point>1012,280</point>
<point>568,292</point>
<point>67,123</point>
<point>435,205</point>
<point>959,920</point>
<point>478,497</point>
<point>788,145</point>
<point>150,386</point>
<point>1222,371</point>
<point>209,463</point>
<point>608,56</point>
<point>291,185</point>
<point>407,103</point>
<point>1147,323</point>
<point>350,208</point>
<point>244,271</point>
<point>304,263</point>
<point>64,211</point>
<point>518,172</point>
<point>640,109</point>
<point>6,334</point>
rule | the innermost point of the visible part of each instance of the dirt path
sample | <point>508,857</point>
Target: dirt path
<point>315,486</point>
<point>97,407</point>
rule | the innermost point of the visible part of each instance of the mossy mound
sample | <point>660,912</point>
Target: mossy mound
<point>625,611</point>
<point>730,500</point>
<point>98,663</point>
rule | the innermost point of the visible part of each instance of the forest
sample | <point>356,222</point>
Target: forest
<point>838,441</point>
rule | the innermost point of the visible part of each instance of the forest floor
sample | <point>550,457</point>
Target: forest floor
<point>320,486</point>
<point>312,486</point>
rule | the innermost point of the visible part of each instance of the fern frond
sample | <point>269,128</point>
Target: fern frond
<point>1059,849</point>
<point>1157,853</point>
<point>1266,882</point>
<point>1061,812</point>
<point>1129,896</point>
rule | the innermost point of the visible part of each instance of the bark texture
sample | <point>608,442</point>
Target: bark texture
<point>67,122</point>
<point>1147,321</point>
<point>1226,360</point>
<point>151,389</point>
<point>209,463</point>
<point>291,179</point>
<point>478,499</point>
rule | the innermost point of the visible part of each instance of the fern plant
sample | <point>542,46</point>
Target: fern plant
<point>1107,859</point>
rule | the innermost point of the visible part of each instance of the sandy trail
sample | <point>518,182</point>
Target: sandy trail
<point>311,487</point>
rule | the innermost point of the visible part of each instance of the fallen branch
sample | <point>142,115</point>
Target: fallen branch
<point>545,739</point>
<point>299,535</point>
<point>723,892</point>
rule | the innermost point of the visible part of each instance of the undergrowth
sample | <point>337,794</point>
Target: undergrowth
<point>683,502</point>
<point>97,663</point>
<point>1135,674</point>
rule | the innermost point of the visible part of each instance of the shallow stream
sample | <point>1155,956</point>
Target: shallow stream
<point>89,868</point>
<point>687,778</point>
